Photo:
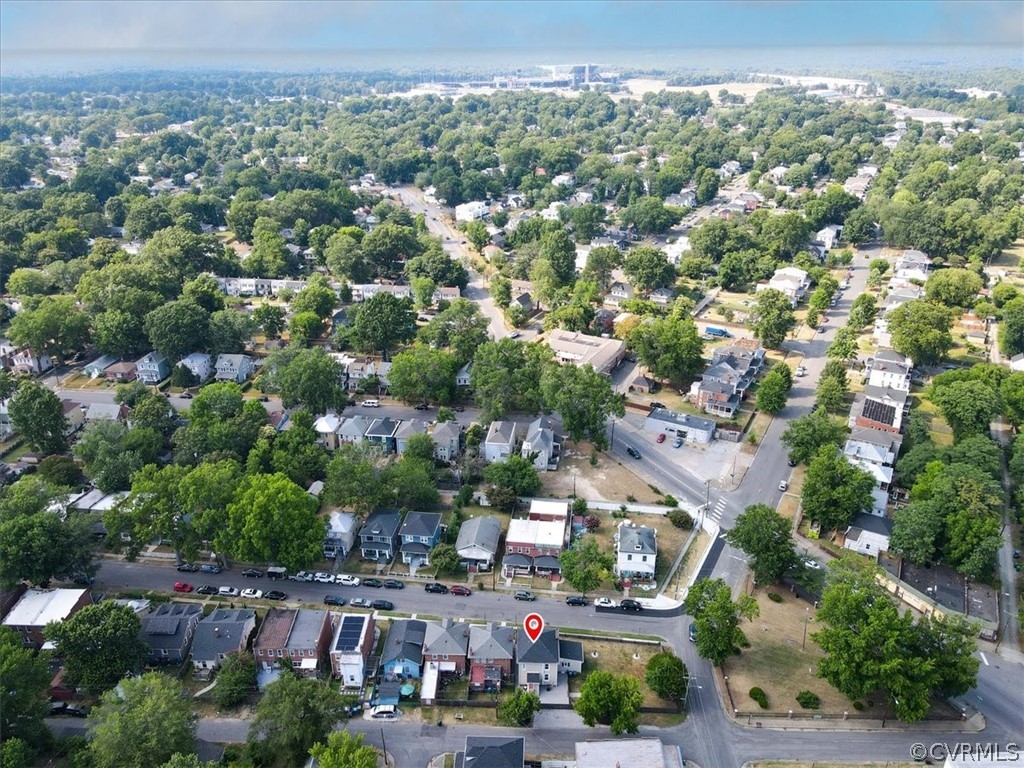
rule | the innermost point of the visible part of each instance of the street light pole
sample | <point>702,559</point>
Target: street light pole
<point>807,616</point>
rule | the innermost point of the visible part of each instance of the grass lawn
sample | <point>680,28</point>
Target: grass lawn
<point>608,480</point>
<point>689,564</point>
<point>467,715</point>
<point>791,499</point>
<point>619,659</point>
<point>758,427</point>
<point>939,430</point>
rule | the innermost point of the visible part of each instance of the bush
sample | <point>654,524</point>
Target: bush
<point>680,519</point>
<point>591,523</point>
<point>809,700</point>
<point>669,501</point>
<point>775,597</point>
<point>758,695</point>
<point>859,706</point>
<point>631,499</point>
<point>579,507</point>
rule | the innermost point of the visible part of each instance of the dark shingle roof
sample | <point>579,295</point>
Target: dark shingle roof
<point>420,524</point>
<point>880,412</point>
<point>480,532</point>
<point>570,649</point>
<point>544,651</point>
<point>494,752</point>
<point>381,524</point>
<point>405,641</point>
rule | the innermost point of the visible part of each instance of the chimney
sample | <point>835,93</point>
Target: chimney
<point>216,631</point>
<point>446,622</point>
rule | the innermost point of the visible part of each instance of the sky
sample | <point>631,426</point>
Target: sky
<point>73,33</point>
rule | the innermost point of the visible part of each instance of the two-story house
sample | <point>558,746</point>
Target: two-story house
<point>28,361</point>
<point>236,368</point>
<point>891,370</point>
<point>352,429</point>
<point>38,607</point>
<point>326,428</point>
<point>226,630</point>
<point>539,663</point>
<point>477,543</point>
<point>880,408</point>
<point>378,538</point>
<point>340,535</point>
<point>301,635</point>
<point>381,433</point>
<point>420,532</point>
<point>351,648</point>
<point>406,429</point>
<point>542,444</point>
<point>447,441</point>
<point>152,368</point>
<point>791,281</point>
<point>402,655</point>
<point>618,292</point>
<point>533,546</point>
<point>913,265</point>
<point>199,365</point>
<point>447,643</point>
<point>500,442</point>
<point>492,651</point>
<point>168,631</point>
<point>868,534</point>
<point>636,550</point>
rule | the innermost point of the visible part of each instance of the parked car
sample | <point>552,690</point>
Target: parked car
<point>458,408</point>
<point>186,395</point>
<point>301,576</point>
<point>182,586</point>
<point>59,708</point>
<point>206,589</point>
<point>347,581</point>
<point>677,442</point>
<point>275,594</point>
<point>661,438</point>
<point>522,594</point>
<point>252,573</point>
<point>801,371</point>
<point>460,590</point>
<point>630,605</point>
<point>422,407</point>
<point>783,485</point>
<point>384,712</point>
<point>382,605</point>
<point>633,452</point>
<point>370,403</point>
<point>188,568</point>
<point>227,591</point>
<point>693,633</point>
<point>576,600</point>
<point>814,565</point>
<point>393,584</point>
<point>252,594</point>
<point>514,335</point>
<point>323,578</point>
<point>375,583</point>
<point>656,404</point>
<point>604,602</point>
<point>263,399</point>
<point>334,600</point>
<point>791,462</point>
<point>360,602</point>
<point>210,568</point>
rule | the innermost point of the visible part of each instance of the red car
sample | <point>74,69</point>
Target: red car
<point>181,586</point>
<point>661,438</point>
<point>461,591</point>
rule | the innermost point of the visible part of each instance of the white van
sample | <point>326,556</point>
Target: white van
<point>370,403</point>
<point>384,712</point>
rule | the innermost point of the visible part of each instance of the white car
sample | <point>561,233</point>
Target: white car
<point>301,576</point>
<point>227,592</point>
<point>783,485</point>
<point>252,594</point>
<point>800,370</point>
<point>604,602</point>
<point>323,578</point>
<point>814,565</point>
<point>347,581</point>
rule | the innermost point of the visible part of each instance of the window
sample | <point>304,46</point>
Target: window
<point>629,557</point>
<point>261,652</point>
<point>279,653</point>
<point>643,558</point>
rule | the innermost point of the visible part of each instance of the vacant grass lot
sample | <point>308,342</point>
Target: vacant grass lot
<point>619,659</point>
<point>608,480</point>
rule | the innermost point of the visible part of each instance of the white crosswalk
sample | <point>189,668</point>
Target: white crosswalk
<point>716,511</point>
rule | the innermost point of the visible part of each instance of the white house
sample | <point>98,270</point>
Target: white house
<point>463,374</point>
<point>471,211</point>
<point>543,444</point>
<point>913,265</point>
<point>829,236</point>
<point>340,537</point>
<point>477,543</point>
<point>868,534</point>
<point>351,647</point>
<point>636,550</point>
<point>27,361</point>
<point>890,369</point>
<point>677,250</point>
<point>500,442</point>
<point>199,364</point>
<point>236,368</point>
<point>326,428</point>
<point>789,280</point>
<point>1017,362</point>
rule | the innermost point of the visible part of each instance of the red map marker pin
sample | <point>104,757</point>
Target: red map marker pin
<point>534,625</point>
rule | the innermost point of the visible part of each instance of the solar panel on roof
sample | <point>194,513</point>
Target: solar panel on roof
<point>351,631</point>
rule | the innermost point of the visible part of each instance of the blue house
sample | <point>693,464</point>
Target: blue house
<point>420,532</point>
<point>152,368</point>
<point>402,656</point>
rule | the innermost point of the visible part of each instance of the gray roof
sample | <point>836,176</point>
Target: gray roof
<point>482,532</point>
<point>641,539</point>
<point>570,649</point>
<point>404,641</point>
<point>873,436</point>
<point>306,628</point>
<point>682,420</point>
<point>544,651</point>
<point>382,428</point>
<point>451,638</point>
<point>494,752</point>
<point>382,523</point>
<point>517,561</point>
<point>447,432</point>
<point>208,644</point>
<point>491,642</point>
<point>410,428</point>
<point>421,524</point>
<point>871,523</point>
<point>501,432</point>
<point>354,426</point>
<point>540,434</point>
<point>167,626</point>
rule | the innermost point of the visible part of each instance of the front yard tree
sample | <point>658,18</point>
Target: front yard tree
<point>771,393</point>
<point>920,330</point>
<point>648,268</point>
<point>344,749</point>
<point>518,709</point>
<point>585,566</point>
<point>421,374</point>
<point>667,676</point>
<point>461,329</point>
<point>831,395</point>
<point>844,344</point>
<point>294,714</point>
<point>236,679</point>
<point>584,398</point>
<point>506,377</point>
<point>806,435</point>
<point>55,326</point>
<point>835,490</point>
<point>26,677</point>
<point>317,297</point>
<point>312,379</point>
<point>38,415</point>
<point>601,262</point>
<point>445,558</point>
<point>765,536</point>
<point>650,216</point>
<point>100,645</point>
<point>272,520</point>
<point>609,699</point>
<point>383,322</point>
<point>305,328</point>
<point>40,547</point>
<point>717,619</point>
<point>1011,329</point>
<point>773,317</point>
<point>145,722</point>
<point>516,473</point>
<point>178,328</point>
<point>670,347</point>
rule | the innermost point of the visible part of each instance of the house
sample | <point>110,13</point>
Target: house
<point>540,663</point>
<point>226,630</point>
<point>603,355</point>
<point>874,446</point>
<point>38,607</point>
<point>777,173</point>
<point>351,648</point>
<point>677,250</point>
<point>913,265</point>
<point>643,384</point>
<point>462,376</point>
<point>728,169</point>
<point>717,392</point>
<point>301,635</point>
<point>662,296</point>
<point>890,369</point>
<point>533,546</point>
<point>500,442</point>
<point>492,752</point>
<point>381,433</point>
<point>447,643</point>
<point>340,536</point>
<point>74,414</point>
<point>352,429</point>
<point>829,236</point>
<point>549,510</point>
<point>168,631</point>
<point>402,656</point>
<point>407,429</point>
<point>420,532</point>
<point>646,752</point>
<point>691,428</point>
<point>543,444</point>
<point>471,211</point>
<point>378,538</point>
<point>96,368</point>
<point>636,550</point>
<point>27,361</point>
<point>868,534</point>
<point>447,441</point>
<point>477,542</point>
<point>121,372</point>
<point>326,428</point>
<point>152,368</point>
<point>882,477</point>
<point>198,365</point>
<point>106,412</point>
<point>685,198</point>
<point>880,408</point>
<point>236,368</point>
<point>524,300</point>
<point>1017,362</point>
<point>564,180</point>
<point>618,292</point>
<point>744,355</point>
<point>791,281</point>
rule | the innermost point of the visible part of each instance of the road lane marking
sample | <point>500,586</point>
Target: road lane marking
<point>983,658</point>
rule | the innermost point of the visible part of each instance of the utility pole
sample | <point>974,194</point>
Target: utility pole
<point>807,616</point>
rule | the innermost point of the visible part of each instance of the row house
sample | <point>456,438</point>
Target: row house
<point>38,607</point>
<point>378,538</point>
<point>533,546</point>
<point>880,408</point>
<point>889,369</point>
<point>301,635</point>
<point>260,286</point>
<point>351,648</point>
<point>492,651</point>
<point>420,533</point>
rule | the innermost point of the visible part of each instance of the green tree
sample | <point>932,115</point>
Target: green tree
<point>388,245</point>
<point>557,248</point>
<point>648,268</point>
<point>229,330</point>
<point>178,328</point>
<point>585,565</point>
<point>355,480</point>
<point>422,374</point>
<point>968,406</point>
<point>317,297</point>
<point>60,471</point>
<point>204,291</point>
<point>307,377</point>
<point>515,473</point>
<point>601,262</point>
<point>667,676</point>
<point>445,558</point>
<point>917,531</point>
<point>54,326</point>
<point>1011,329</point>
<point>584,398</point>
<point>650,216</point>
<point>844,344</point>
<point>518,709</point>
<point>765,536</point>
<point>773,317</point>
<point>38,415</point>
<point>145,722</point>
<point>831,395</point>
<point>920,330</point>
<point>953,287</point>
<point>100,645</point>
<point>835,490</point>
<point>344,749</point>
<point>771,393</point>
<point>236,679</point>
<point>269,317</point>
<point>383,322</point>
<point>120,333</point>
<point>111,452</point>
<point>461,329</point>
<point>478,235</point>
<point>806,435</point>
<point>717,619</point>
<point>609,699</point>
<point>40,547</point>
<point>294,714</point>
<point>587,221</point>
<point>506,377</point>
<point>670,347</point>
<point>304,328</point>
<point>26,677</point>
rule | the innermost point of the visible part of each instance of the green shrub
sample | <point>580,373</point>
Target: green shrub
<point>669,501</point>
<point>758,695</point>
<point>775,597</point>
<point>859,706</point>
<point>631,499</point>
<point>680,519</point>
<point>808,700</point>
